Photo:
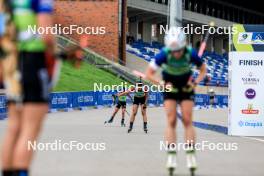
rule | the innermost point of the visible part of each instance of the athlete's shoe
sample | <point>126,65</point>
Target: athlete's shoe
<point>171,162</point>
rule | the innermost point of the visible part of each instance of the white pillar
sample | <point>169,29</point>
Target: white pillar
<point>146,32</point>
<point>176,13</point>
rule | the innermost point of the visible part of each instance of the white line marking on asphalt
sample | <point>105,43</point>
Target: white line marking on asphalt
<point>252,138</point>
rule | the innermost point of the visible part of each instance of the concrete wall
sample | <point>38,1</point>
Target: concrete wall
<point>96,13</point>
<point>218,45</point>
<point>133,29</point>
<point>160,35</point>
<point>187,15</point>
<point>146,32</point>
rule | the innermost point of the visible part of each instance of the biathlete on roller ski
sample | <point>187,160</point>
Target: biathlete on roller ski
<point>140,99</point>
<point>28,66</point>
<point>120,101</point>
<point>176,60</point>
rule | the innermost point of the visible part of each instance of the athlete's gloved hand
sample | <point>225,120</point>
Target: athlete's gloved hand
<point>114,99</point>
<point>75,53</point>
<point>168,86</point>
<point>191,85</point>
<point>72,54</point>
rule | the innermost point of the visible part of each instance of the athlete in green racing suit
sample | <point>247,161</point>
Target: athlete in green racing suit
<point>29,104</point>
<point>121,103</point>
<point>176,61</point>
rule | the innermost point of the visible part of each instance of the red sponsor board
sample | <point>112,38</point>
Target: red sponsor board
<point>250,111</point>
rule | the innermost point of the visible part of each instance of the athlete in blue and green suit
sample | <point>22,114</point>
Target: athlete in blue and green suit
<point>176,60</point>
<point>25,120</point>
<point>121,103</point>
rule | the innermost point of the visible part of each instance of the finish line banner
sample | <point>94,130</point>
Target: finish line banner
<point>246,81</point>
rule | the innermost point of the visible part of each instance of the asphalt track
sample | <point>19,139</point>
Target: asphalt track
<point>139,153</point>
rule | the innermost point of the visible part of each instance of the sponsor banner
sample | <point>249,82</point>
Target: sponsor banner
<point>246,110</point>
<point>104,98</point>
<point>153,98</point>
<point>60,100</point>
<point>2,107</point>
<point>69,100</point>
<point>2,104</point>
<point>83,99</point>
<point>222,100</point>
<point>160,98</point>
<point>248,38</point>
<point>246,84</point>
<point>251,38</point>
<point>201,100</point>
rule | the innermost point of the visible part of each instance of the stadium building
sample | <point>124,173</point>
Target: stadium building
<point>142,23</point>
<point>146,19</point>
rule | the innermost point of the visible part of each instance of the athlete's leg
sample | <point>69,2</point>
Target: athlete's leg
<point>144,112</point>
<point>113,116</point>
<point>32,119</point>
<point>11,136</point>
<point>170,108</point>
<point>187,111</point>
<point>123,112</point>
<point>123,116</point>
<point>133,115</point>
<point>115,112</point>
<point>144,115</point>
<point>170,136</point>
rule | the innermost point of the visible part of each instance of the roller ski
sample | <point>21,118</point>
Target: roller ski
<point>171,162</point>
<point>123,123</point>
<point>129,130</point>
<point>130,127</point>
<point>191,162</point>
<point>145,130</point>
<point>109,121</point>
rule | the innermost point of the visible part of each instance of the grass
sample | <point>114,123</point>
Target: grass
<point>83,79</point>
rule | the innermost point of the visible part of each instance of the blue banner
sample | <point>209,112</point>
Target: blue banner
<point>3,109</point>
<point>153,98</point>
<point>83,99</point>
<point>69,100</point>
<point>104,98</point>
<point>61,100</point>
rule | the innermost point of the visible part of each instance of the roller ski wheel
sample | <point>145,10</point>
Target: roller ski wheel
<point>171,171</point>
<point>129,130</point>
<point>146,130</point>
<point>108,122</point>
<point>192,171</point>
<point>191,162</point>
<point>171,162</point>
<point>123,123</point>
